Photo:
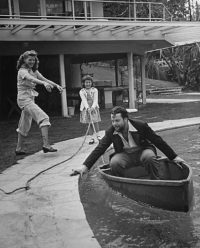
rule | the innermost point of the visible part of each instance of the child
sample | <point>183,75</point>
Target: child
<point>89,106</point>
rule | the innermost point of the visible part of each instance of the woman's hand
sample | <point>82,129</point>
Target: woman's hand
<point>48,86</point>
<point>60,88</point>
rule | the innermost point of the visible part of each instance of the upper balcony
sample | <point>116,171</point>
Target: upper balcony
<point>86,10</point>
<point>89,20</point>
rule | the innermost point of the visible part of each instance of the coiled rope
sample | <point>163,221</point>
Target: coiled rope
<point>27,185</point>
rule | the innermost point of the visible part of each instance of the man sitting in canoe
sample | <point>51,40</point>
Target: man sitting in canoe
<point>134,143</point>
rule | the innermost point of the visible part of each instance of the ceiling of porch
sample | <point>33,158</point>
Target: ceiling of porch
<point>43,29</point>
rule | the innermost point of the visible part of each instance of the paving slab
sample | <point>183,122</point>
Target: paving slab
<point>171,101</point>
<point>50,214</point>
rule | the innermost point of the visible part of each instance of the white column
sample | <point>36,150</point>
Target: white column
<point>108,98</point>
<point>10,7</point>
<point>16,7</point>
<point>43,7</point>
<point>131,81</point>
<point>63,84</point>
<point>144,97</point>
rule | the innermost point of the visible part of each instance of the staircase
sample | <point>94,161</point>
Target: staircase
<point>165,91</point>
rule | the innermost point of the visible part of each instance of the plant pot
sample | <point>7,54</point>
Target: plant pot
<point>71,110</point>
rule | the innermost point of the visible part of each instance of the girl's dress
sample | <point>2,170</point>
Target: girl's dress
<point>89,99</point>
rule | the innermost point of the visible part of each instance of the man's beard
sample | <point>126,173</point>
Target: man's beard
<point>119,128</point>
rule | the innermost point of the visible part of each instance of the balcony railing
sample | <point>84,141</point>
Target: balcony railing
<point>103,10</point>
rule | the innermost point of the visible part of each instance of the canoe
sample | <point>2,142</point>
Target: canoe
<point>174,192</point>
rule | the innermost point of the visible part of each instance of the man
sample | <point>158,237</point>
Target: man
<point>134,143</point>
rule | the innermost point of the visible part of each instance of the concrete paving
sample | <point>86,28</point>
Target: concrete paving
<point>167,100</point>
<point>50,214</point>
<point>183,97</point>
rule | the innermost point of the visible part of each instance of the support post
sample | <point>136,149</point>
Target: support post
<point>116,72</point>
<point>144,96</point>
<point>63,84</point>
<point>43,8</point>
<point>131,81</point>
<point>10,7</point>
<point>16,7</point>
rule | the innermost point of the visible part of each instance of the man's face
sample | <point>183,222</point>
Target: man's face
<point>118,122</point>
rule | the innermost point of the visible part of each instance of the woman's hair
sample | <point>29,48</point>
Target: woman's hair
<point>24,56</point>
<point>119,110</point>
<point>87,77</point>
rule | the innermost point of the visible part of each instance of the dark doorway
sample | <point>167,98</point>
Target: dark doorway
<point>8,87</point>
<point>49,102</point>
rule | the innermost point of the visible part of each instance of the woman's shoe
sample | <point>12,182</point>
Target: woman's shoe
<point>91,142</point>
<point>20,152</point>
<point>49,149</point>
<point>99,138</point>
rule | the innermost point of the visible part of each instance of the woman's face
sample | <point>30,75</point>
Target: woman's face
<point>88,84</point>
<point>29,61</point>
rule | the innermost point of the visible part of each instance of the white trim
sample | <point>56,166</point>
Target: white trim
<point>17,28</point>
<point>63,84</point>
<point>40,29</point>
<point>131,81</point>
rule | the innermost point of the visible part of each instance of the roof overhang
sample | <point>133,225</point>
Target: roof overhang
<point>62,29</point>
<point>140,36</point>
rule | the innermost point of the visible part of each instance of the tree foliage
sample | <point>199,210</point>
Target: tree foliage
<point>183,63</point>
<point>180,9</point>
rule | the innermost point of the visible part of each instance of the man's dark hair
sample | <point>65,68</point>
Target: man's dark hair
<point>119,110</point>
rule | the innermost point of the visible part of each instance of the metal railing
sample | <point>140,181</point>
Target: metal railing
<point>104,10</point>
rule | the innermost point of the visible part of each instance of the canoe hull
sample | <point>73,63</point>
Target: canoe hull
<point>174,195</point>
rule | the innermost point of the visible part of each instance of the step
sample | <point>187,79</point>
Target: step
<point>160,91</point>
<point>165,90</point>
<point>165,93</point>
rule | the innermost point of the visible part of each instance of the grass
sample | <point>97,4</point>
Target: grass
<point>68,128</point>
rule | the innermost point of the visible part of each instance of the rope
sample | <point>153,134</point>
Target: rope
<point>27,185</point>
<point>91,121</point>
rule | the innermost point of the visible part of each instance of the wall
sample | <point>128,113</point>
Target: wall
<point>76,75</point>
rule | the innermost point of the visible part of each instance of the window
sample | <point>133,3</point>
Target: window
<point>4,9</point>
<point>29,7</point>
<point>55,7</point>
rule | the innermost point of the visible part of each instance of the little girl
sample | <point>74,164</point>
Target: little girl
<point>89,106</point>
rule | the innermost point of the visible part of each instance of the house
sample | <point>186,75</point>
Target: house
<point>68,33</point>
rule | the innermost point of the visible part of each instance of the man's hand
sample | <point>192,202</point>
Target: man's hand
<point>178,161</point>
<point>82,170</point>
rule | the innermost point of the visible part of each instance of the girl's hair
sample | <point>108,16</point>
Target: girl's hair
<point>87,77</point>
<point>24,56</point>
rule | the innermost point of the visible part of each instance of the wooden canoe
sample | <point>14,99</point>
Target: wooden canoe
<point>174,193</point>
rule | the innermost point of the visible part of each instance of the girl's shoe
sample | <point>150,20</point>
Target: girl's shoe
<point>49,149</point>
<point>91,142</point>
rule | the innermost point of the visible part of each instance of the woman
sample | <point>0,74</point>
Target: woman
<point>89,107</point>
<point>27,79</point>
